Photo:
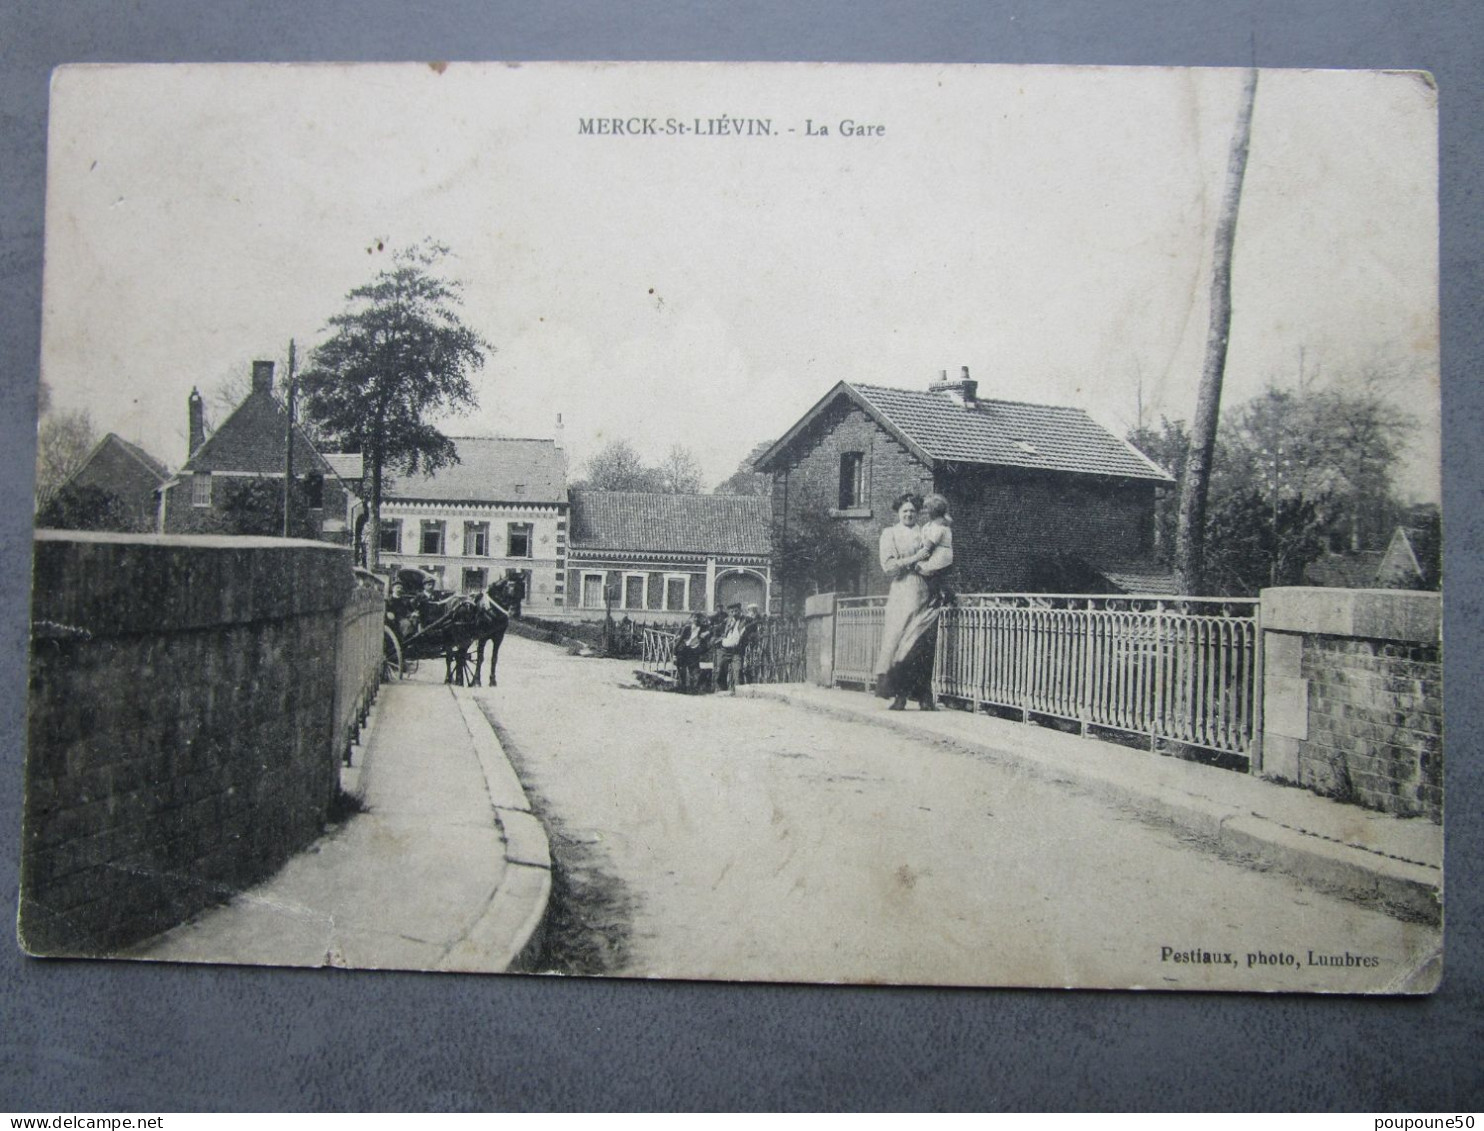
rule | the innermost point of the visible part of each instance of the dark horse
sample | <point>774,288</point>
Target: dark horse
<point>454,626</point>
<point>493,610</point>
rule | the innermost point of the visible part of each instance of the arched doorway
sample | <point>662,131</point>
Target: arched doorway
<point>738,588</point>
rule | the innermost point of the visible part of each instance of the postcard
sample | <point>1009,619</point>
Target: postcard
<point>936,524</point>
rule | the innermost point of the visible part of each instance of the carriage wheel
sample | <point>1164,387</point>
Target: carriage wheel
<point>462,666</point>
<point>392,668</point>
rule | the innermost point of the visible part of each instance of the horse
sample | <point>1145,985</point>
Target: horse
<point>492,617</point>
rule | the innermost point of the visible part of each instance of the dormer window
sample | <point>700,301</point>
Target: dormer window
<point>1027,447</point>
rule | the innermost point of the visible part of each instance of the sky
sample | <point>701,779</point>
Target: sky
<point>1048,227</point>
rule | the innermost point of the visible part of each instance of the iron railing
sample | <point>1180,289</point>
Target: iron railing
<point>1178,669</point>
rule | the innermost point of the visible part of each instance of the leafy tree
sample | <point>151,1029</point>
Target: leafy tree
<point>618,467</point>
<point>745,480</point>
<point>398,357</point>
<point>255,506</point>
<point>63,441</point>
<point>86,507</point>
<point>1292,474</point>
<point>816,553</point>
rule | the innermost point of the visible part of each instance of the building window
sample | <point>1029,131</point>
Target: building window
<point>852,480</point>
<point>518,544</point>
<point>476,539</point>
<point>432,538</point>
<point>475,580</point>
<point>201,489</point>
<point>391,536</point>
<point>592,590</point>
<point>676,587</point>
<point>633,590</point>
<point>314,490</point>
<point>520,488</point>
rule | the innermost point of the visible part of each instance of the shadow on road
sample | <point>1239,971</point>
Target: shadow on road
<point>590,913</point>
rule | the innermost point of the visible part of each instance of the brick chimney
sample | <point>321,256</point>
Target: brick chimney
<point>196,416</point>
<point>964,390</point>
<point>262,377</point>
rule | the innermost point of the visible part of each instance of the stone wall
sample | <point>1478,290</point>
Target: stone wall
<point>1352,696</point>
<point>183,729</point>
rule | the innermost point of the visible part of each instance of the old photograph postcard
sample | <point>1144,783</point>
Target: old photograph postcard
<point>940,525</point>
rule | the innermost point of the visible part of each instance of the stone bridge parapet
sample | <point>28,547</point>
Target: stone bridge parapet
<point>184,738</point>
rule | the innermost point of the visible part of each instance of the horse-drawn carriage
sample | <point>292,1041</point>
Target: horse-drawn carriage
<point>424,622</point>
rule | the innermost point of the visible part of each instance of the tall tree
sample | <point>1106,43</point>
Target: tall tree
<point>63,440</point>
<point>1292,473</point>
<point>398,358</point>
<point>1190,535</point>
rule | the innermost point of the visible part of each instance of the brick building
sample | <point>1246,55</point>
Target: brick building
<point>660,557</point>
<point>127,473</point>
<point>209,494</point>
<point>1043,498</point>
<point>501,507</point>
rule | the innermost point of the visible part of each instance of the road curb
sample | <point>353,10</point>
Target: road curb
<point>1401,888</point>
<point>511,924</point>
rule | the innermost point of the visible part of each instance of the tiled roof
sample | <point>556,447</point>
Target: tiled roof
<point>694,524</point>
<point>147,461</point>
<point>347,465</point>
<point>491,469</point>
<point>1006,433</point>
<point>131,452</point>
<point>1139,577</point>
<point>1345,571</point>
<point>251,441</point>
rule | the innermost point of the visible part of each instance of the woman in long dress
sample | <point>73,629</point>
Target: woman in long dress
<point>904,667</point>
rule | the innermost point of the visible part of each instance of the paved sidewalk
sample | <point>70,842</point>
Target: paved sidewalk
<point>446,869</point>
<point>1372,857</point>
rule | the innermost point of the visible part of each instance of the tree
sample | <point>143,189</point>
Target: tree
<point>680,471</point>
<point>1194,489</point>
<point>398,358</point>
<point>86,507</point>
<point>1292,473</point>
<point>255,506</point>
<point>816,553</point>
<point>63,441</point>
<point>618,467</point>
<point>1169,446</point>
<point>745,480</point>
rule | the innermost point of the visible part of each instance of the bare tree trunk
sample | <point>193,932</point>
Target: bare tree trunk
<point>1190,534</point>
<point>373,551</point>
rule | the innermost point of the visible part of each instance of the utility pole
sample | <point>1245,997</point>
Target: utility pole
<point>288,452</point>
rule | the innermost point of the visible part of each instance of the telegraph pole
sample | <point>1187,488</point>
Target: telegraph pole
<point>288,450</point>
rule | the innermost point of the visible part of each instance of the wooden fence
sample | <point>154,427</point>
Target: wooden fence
<point>775,650</point>
<point>1179,669</point>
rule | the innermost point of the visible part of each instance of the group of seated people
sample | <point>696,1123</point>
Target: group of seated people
<point>723,636</point>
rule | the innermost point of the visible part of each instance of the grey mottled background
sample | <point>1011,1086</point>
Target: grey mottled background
<point>101,1036</point>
